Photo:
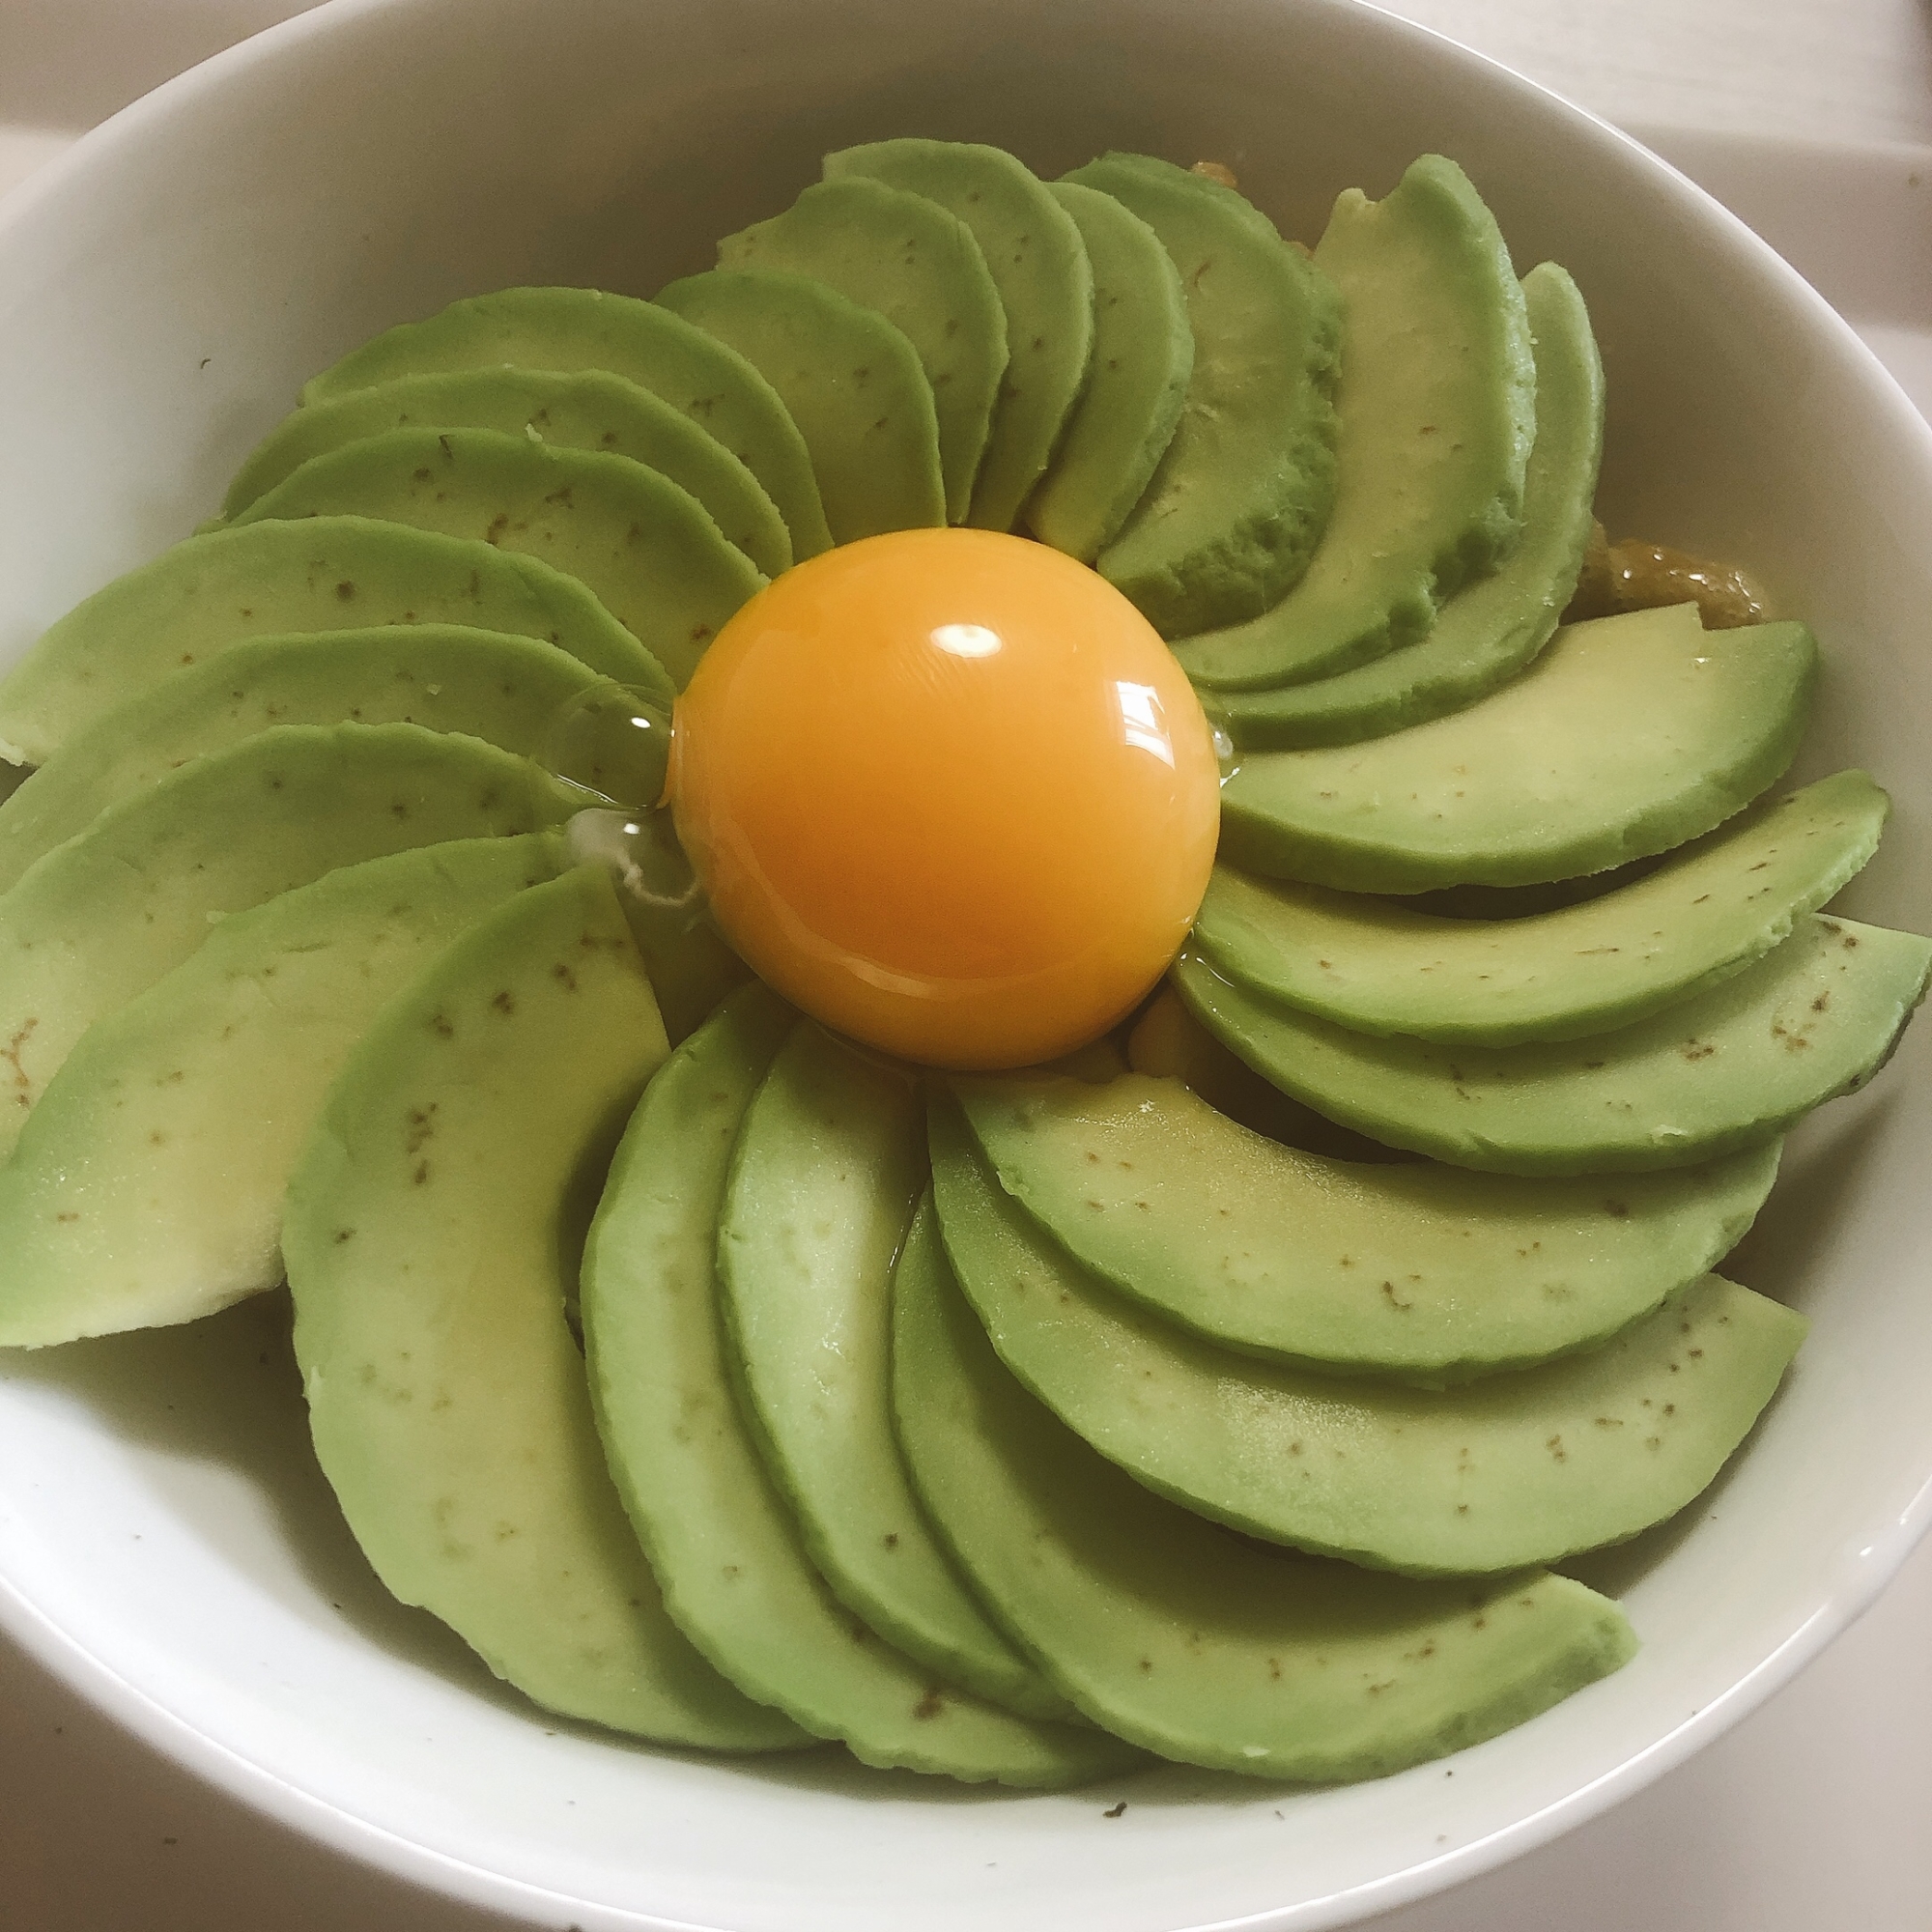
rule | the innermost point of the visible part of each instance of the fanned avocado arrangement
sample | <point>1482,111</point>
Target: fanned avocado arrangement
<point>732,1387</point>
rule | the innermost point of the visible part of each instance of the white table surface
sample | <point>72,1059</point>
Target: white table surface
<point>1813,119</point>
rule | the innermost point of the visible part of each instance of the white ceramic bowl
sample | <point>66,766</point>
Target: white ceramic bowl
<point>165,1540</point>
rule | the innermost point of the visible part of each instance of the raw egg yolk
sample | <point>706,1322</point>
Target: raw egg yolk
<point>948,792</point>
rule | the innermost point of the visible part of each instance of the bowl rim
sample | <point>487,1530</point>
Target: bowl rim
<point>1852,1589</point>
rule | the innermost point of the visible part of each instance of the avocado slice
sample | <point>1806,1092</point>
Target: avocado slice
<point>829,1165</point>
<point>1142,358</point>
<point>1412,1271</point>
<point>1712,908</point>
<point>1489,1476</point>
<point>98,920</point>
<point>324,573</point>
<point>568,330</point>
<point>1435,412</point>
<point>505,689</point>
<point>1168,1042</point>
<point>735,1572</point>
<point>920,269</point>
<point>1728,1068</point>
<point>1038,261</point>
<point>431,1255</point>
<point>1203,1646</point>
<point>1566,771</point>
<point>1492,628</point>
<point>852,382</point>
<point>1240,497</point>
<point>589,409</point>
<point>646,549</point>
<point>147,1185</point>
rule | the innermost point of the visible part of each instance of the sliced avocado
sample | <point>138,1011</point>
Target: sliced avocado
<point>853,385</point>
<point>644,548</point>
<point>568,330</point>
<point>431,1254</point>
<point>1419,1271</point>
<point>1435,412</point>
<point>829,1165</point>
<point>1168,1043</point>
<point>1039,263</point>
<point>1492,628</point>
<point>147,1187</point>
<point>588,408</point>
<point>506,690</point>
<point>1203,1646</point>
<point>326,573</point>
<point>1489,1476</point>
<point>1625,737</point>
<point>1238,500</point>
<point>734,1568</point>
<point>920,269</point>
<point>100,918</point>
<point>1710,909</point>
<point>1142,358</point>
<point>1729,1069</point>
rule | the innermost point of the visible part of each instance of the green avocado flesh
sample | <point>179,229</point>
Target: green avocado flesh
<point>1035,254</point>
<point>1492,628</point>
<point>829,1166</point>
<point>1240,499</point>
<point>505,689</point>
<point>1625,737</point>
<point>1728,1068</point>
<point>587,410</point>
<point>147,1187</point>
<point>1710,910</point>
<point>431,1256</point>
<point>1198,1644</point>
<point>1489,1476</point>
<point>644,548</point>
<point>100,918</point>
<point>260,579</point>
<point>1408,1269</point>
<point>919,268</point>
<point>1435,412</point>
<point>734,1568</point>
<point>852,382</point>
<point>570,330</point>
<point>1142,358</point>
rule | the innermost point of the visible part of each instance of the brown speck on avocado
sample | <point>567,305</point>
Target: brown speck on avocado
<point>449,455</point>
<point>344,1234</point>
<point>345,590</point>
<point>1115,1810</point>
<point>1823,1001</point>
<point>423,476</point>
<point>892,1539</point>
<point>504,1002</point>
<point>421,1173</point>
<point>563,973</point>
<point>930,1706</point>
<point>439,1026</point>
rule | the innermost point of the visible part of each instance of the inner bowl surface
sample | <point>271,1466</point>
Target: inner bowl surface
<point>165,1538</point>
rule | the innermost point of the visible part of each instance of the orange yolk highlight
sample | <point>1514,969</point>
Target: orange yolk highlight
<point>948,792</point>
